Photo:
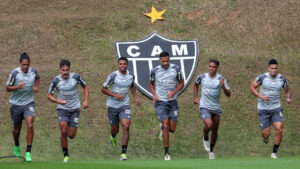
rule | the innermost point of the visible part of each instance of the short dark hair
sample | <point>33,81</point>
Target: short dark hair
<point>214,61</point>
<point>24,56</point>
<point>64,62</point>
<point>123,58</point>
<point>273,62</point>
<point>163,54</point>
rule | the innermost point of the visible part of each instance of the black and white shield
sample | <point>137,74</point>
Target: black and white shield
<point>143,55</point>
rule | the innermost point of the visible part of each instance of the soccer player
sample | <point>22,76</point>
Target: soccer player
<point>165,82</point>
<point>210,110</point>
<point>268,105</point>
<point>23,81</point>
<point>68,102</point>
<point>116,87</point>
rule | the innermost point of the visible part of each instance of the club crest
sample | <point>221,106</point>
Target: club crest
<point>143,55</point>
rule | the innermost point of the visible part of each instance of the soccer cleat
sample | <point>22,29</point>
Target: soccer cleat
<point>266,140</point>
<point>206,145</point>
<point>160,133</point>
<point>28,157</point>
<point>211,155</point>
<point>167,157</point>
<point>17,150</point>
<point>273,155</point>
<point>123,157</point>
<point>113,141</point>
<point>66,159</point>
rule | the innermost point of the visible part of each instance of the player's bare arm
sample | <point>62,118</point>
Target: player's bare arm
<point>85,103</point>
<point>253,88</point>
<point>226,91</point>
<point>54,100</point>
<point>151,86</point>
<point>133,92</point>
<point>196,98</point>
<point>109,93</point>
<point>288,95</point>
<point>36,85</point>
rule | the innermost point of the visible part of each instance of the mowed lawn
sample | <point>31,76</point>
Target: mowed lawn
<point>220,163</point>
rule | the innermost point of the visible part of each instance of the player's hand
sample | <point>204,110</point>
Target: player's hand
<point>22,85</point>
<point>62,102</point>
<point>222,82</point>
<point>196,101</point>
<point>155,98</point>
<point>120,97</point>
<point>85,104</point>
<point>288,101</point>
<point>170,95</point>
<point>264,98</point>
<point>35,90</point>
<point>138,102</point>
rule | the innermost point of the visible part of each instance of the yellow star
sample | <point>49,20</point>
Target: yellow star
<point>154,14</point>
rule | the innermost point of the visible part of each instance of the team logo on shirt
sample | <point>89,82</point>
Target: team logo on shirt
<point>143,55</point>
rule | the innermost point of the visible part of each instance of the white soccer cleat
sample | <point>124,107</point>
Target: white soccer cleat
<point>273,155</point>
<point>160,132</point>
<point>167,157</point>
<point>206,145</point>
<point>211,155</point>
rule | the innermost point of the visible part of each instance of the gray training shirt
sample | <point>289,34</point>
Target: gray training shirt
<point>270,87</point>
<point>24,96</point>
<point>67,90</point>
<point>210,90</point>
<point>166,80</point>
<point>118,84</point>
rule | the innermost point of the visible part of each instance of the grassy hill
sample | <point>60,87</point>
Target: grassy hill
<point>243,35</point>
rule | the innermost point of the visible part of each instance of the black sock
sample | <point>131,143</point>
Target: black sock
<point>28,148</point>
<point>124,149</point>
<point>275,148</point>
<point>166,150</point>
<point>113,135</point>
<point>17,142</point>
<point>212,147</point>
<point>206,138</point>
<point>65,151</point>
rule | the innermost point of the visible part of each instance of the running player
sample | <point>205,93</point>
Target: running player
<point>165,82</point>
<point>268,105</point>
<point>210,110</point>
<point>23,82</point>
<point>116,87</point>
<point>68,102</point>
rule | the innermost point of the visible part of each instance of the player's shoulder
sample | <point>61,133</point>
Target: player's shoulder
<point>15,71</point>
<point>219,76</point>
<point>75,75</point>
<point>130,73</point>
<point>174,66</point>
<point>153,70</point>
<point>281,77</point>
<point>31,69</point>
<point>56,79</point>
<point>263,75</point>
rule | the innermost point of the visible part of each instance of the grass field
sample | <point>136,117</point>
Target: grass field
<point>242,34</point>
<point>220,163</point>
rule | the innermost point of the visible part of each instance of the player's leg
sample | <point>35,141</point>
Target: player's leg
<point>29,136</point>
<point>63,120</point>
<point>207,120</point>
<point>278,123</point>
<point>113,117</point>
<point>265,123</point>
<point>17,117</point>
<point>73,123</point>
<point>214,133</point>
<point>173,115</point>
<point>125,119</point>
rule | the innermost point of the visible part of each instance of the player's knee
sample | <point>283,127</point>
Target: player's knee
<point>64,132</point>
<point>208,125</point>
<point>126,128</point>
<point>72,136</point>
<point>172,130</point>
<point>165,126</point>
<point>30,126</point>
<point>278,130</point>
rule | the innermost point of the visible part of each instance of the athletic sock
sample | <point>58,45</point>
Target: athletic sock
<point>17,142</point>
<point>113,135</point>
<point>124,149</point>
<point>275,148</point>
<point>65,151</point>
<point>28,148</point>
<point>166,150</point>
<point>212,147</point>
<point>206,138</point>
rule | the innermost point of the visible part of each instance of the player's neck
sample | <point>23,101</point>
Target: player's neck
<point>212,75</point>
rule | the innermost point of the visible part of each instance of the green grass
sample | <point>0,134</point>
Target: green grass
<point>201,163</point>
